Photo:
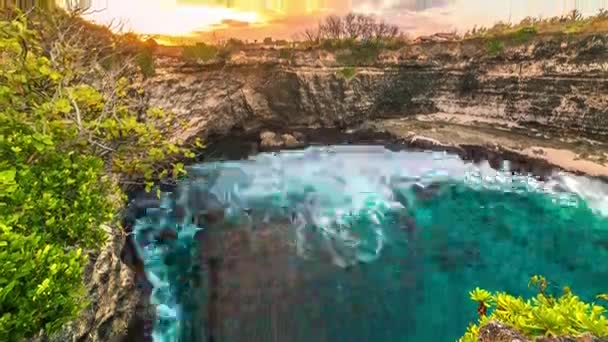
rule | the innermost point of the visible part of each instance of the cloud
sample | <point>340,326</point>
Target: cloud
<point>382,7</point>
<point>231,24</point>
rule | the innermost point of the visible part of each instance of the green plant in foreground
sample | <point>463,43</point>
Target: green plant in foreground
<point>40,285</point>
<point>543,315</point>
<point>484,300</point>
<point>67,134</point>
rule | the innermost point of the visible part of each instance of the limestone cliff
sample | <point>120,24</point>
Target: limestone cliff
<point>556,84</point>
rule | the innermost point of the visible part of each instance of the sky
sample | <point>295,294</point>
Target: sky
<point>284,19</point>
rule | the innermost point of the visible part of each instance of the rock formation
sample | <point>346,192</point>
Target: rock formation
<point>551,84</point>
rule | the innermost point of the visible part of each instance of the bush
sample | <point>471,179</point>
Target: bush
<point>68,131</point>
<point>359,54</point>
<point>200,51</point>
<point>494,47</point>
<point>145,62</point>
<point>524,34</point>
<point>40,285</point>
<point>544,315</point>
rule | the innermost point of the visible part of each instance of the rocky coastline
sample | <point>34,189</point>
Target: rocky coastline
<point>542,106</point>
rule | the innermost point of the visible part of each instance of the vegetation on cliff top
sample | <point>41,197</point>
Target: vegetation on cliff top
<point>543,315</point>
<point>358,39</point>
<point>572,23</point>
<point>72,125</point>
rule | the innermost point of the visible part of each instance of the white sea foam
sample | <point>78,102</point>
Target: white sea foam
<point>330,188</point>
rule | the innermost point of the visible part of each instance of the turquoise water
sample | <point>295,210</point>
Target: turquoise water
<point>386,244</point>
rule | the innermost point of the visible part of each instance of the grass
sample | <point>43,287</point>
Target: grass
<point>524,34</point>
<point>200,51</point>
<point>523,31</point>
<point>356,53</point>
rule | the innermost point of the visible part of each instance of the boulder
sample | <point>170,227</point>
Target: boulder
<point>272,140</point>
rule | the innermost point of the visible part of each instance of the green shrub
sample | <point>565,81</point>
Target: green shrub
<point>524,34</point>
<point>145,62</point>
<point>200,51</point>
<point>359,53</point>
<point>40,285</point>
<point>348,72</point>
<point>494,47</point>
<point>68,132</point>
<point>543,315</point>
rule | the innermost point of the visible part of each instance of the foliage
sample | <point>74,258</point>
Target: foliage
<point>354,53</point>
<point>106,104</point>
<point>199,52</point>
<point>356,27</point>
<point>348,72</point>
<point>481,296</point>
<point>543,315</point>
<point>145,62</point>
<point>522,32</point>
<point>356,38</point>
<point>46,201</point>
<point>494,47</point>
<point>69,128</point>
<point>40,285</point>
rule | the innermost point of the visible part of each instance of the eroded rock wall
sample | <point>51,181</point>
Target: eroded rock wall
<point>557,84</point>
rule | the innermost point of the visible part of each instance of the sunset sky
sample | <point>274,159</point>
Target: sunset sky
<point>256,19</point>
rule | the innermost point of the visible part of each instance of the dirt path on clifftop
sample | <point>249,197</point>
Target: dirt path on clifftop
<point>573,154</point>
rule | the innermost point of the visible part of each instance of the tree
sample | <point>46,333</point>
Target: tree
<point>311,35</point>
<point>332,27</point>
<point>353,26</point>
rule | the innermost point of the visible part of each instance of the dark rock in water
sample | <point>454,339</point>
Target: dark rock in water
<point>138,208</point>
<point>167,235</point>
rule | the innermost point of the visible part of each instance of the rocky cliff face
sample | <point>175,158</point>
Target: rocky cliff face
<point>558,84</point>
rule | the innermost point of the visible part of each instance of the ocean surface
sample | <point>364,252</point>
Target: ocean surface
<point>359,243</point>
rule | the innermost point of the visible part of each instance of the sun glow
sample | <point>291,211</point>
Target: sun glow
<point>168,18</point>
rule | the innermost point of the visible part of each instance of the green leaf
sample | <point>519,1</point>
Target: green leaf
<point>8,176</point>
<point>149,186</point>
<point>62,106</point>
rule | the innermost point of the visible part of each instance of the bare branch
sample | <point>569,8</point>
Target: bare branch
<point>77,110</point>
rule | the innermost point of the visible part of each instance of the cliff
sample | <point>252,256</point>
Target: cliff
<point>555,83</point>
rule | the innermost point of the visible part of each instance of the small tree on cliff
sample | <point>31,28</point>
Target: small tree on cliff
<point>354,27</point>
